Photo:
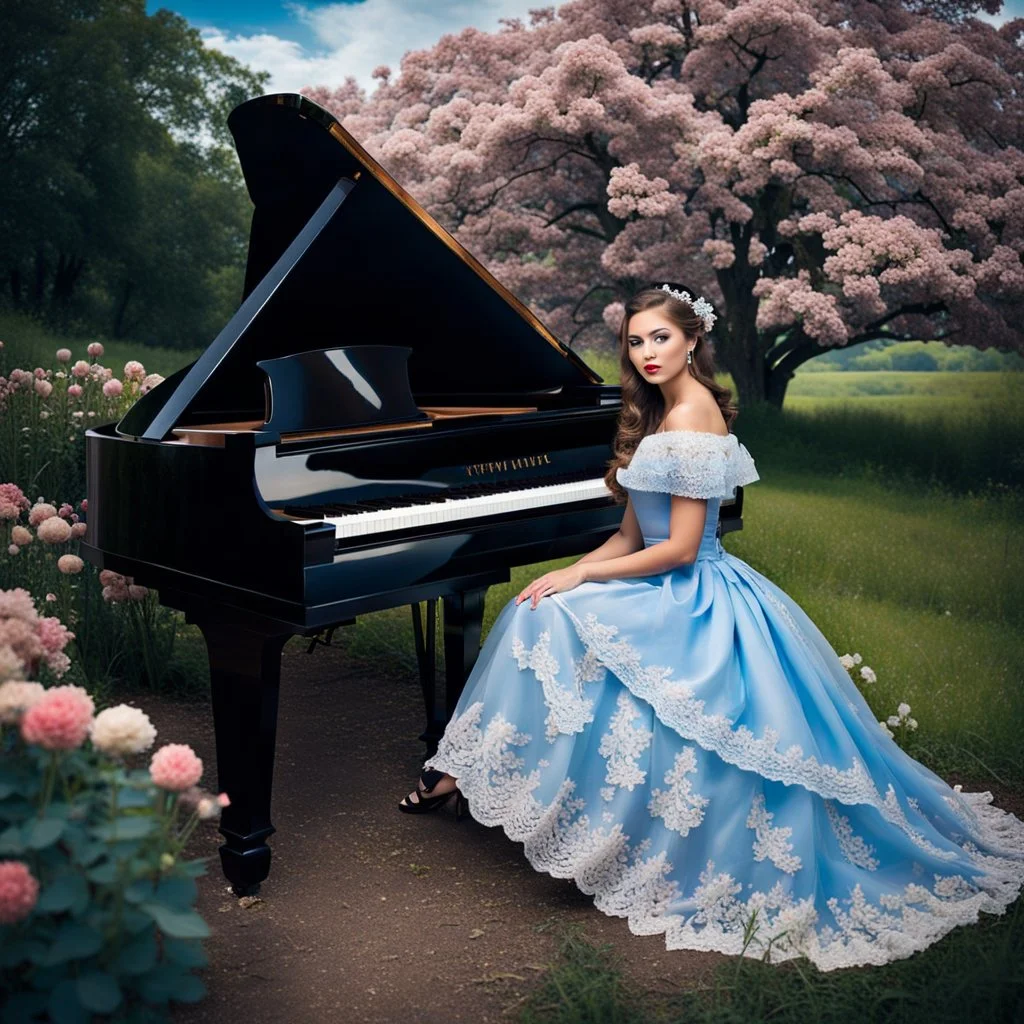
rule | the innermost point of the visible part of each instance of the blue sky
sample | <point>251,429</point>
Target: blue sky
<point>305,42</point>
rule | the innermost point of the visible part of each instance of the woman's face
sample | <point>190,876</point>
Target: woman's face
<point>654,339</point>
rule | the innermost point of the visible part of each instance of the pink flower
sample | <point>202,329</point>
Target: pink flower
<point>112,388</point>
<point>18,891</point>
<point>12,501</point>
<point>151,382</point>
<point>53,634</point>
<point>63,355</point>
<point>84,504</point>
<point>65,510</point>
<point>54,530</point>
<point>40,511</point>
<point>137,593</point>
<point>115,592</point>
<point>17,604</point>
<point>43,388</point>
<point>175,767</point>
<point>21,536</point>
<point>80,369</point>
<point>109,578</point>
<point>50,598</point>
<point>16,696</point>
<point>61,720</point>
<point>39,373</point>
<point>13,549</point>
<point>74,390</point>
<point>134,370</point>
<point>222,799</point>
<point>95,350</point>
<point>70,564</point>
<point>77,530</point>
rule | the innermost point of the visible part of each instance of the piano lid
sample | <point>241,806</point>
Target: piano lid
<point>340,254</point>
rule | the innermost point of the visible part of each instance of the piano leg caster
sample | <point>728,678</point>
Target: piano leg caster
<point>245,865</point>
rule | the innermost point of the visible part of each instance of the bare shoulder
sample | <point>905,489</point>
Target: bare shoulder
<point>704,416</point>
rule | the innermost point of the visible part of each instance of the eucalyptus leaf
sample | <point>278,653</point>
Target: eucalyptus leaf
<point>99,991</point>
<point>43,832</point>
<point>178,925</point>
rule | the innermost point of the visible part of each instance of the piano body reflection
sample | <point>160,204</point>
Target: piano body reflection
<point>380,423</point>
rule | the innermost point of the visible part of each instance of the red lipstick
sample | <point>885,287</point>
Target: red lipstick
<point>652,367</point>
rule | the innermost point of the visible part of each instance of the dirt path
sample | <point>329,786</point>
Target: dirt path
<point>370,914</point>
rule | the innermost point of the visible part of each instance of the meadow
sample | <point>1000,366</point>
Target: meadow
<point>890,507</point>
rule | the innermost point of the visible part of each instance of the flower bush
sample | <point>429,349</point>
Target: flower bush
<point>97,905</point>
<point>121,632</point>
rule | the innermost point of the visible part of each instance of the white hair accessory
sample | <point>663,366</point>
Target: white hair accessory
<point>701,307</point>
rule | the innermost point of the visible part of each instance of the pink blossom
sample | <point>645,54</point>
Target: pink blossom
<point>134,370</point>
<point>13,549</point>
<point>53,634</point>
<point>151,382</point>
<point>12,501</point>
<point>84,504</point>
<point>43,388</point>
<point>65,510</point>
<point>222,799</point>
<point>115,592</point>
<point>112,388</point>
<point>110,578</point>
<point>77,530</point>
<point>16,696</point>
<point>95,350</point>
<point>17,604</point>
<point>80,369</point>
<point>21,536</point>
<point>137,593</point>
<point>39,372</point>
<point>19,891</point>
<point>41,511</point>
<point>50,598</point>
<point>54,530</point>
<point>63,355</point>
<point>176,767</point>
<point>74,390</point>
<point>60,720</point>
<point>70,564</point>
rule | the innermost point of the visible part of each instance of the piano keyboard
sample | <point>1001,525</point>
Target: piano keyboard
<point>453,506</point>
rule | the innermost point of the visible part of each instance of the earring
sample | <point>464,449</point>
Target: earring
<point>689,356</point>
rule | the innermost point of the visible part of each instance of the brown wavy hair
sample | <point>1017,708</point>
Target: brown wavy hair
<point>643,407</point>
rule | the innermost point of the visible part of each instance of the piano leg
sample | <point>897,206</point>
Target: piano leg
<point>245,674</point>
<point>463,625</point>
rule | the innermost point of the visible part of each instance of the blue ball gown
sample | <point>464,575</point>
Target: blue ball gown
<point>689,749</point>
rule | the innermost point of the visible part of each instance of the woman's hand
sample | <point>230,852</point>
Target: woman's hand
<point>553,583</point>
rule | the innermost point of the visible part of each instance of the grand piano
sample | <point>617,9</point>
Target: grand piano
<point>381,423</point>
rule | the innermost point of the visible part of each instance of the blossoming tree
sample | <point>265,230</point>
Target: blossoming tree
<point>825,172</point>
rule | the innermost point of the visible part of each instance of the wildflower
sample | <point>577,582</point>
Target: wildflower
<point>134,370</point>
<point>21,536</point>
<point>80,369</point>
<point>122,730</point>
<point>40,511</point>
<point>112,388</point>
<point>50,598</point>
<point>175,767</point>
<point>84,504</point>
<point>74,390</point>
<point>65,510</point>
<point>43,388</point>
<point>54,530</point>
<point>207,808</point>
<point>17,696</point>
<point>95,350</point>
<point>222,799</point>
<point>77,414</point>
<point>43,414</point>
<point>894,720</point>
<point>857,659</point>
<point>70,564</point>
<point>903,710</point>
<point>39,373</point>
<point>888,731</point>
<point>18,891</point>
<point>63,355</point>
<point>867,674</point>
<point>911,722</point>
<point>13,549</point>
<point>60,720</point>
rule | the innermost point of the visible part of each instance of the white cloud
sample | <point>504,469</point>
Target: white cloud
<point>353,39</point>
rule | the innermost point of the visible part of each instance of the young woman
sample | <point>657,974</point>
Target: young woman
<point>665,726</point>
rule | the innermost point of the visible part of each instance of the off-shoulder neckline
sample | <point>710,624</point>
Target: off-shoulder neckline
<point>702,433</point>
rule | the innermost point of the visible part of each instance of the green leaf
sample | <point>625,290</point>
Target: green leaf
<point>11,840</point>
<point>189,989</point>
<point>159,984</point>
<point>64,1005</point>
<point>186,952</point>
<point>177,924</point>
<point>176,892</point>
<point>74,942</point>
<point>134,921</point>
<point>140,954</point>
<point>134,827</point>
<point>103,874</point>
<point>22,1007</point>
<point>14,953</point>
<point>134,798</point>
<point>63,893</point>
<point>43,832</point>
<point>99,991</point>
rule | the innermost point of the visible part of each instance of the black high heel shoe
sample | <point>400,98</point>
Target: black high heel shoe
<point>430,777</point>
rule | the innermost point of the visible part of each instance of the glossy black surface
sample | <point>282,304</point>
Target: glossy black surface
<point>342,260</point>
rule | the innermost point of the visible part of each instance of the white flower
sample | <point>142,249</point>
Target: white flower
<point>122,730</point>
<point>894,720</point>
<point>911,723</point>
<point>207,808</point>
<point>17,696</point>
<point>886,727</point>
<point>903,710</point>
<point>857,659</point>
<point>867,674</point>
<point>846,661</point>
